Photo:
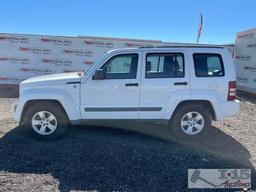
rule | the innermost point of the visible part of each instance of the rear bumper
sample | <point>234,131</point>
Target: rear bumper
<point>229,109</point>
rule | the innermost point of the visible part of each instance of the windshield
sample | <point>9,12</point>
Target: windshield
<point>83,71</point>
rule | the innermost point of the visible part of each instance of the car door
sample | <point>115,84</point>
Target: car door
<point>164,79</point>
<point>117,95</point>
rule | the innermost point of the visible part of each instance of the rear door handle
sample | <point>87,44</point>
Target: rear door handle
<point>180,83</point>
<point>132,84</point>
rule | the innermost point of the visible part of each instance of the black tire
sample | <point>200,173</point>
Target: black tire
<point>55,110</point>
<point>175,122</point>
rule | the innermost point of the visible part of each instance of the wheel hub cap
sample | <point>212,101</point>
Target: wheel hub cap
<point>44,123</point>
<point>192,123</point>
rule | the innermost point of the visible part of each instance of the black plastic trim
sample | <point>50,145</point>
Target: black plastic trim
<point>73,82</point>
<point>121,109</point>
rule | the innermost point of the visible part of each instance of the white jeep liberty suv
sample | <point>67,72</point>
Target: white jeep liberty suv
<point>184,86</point>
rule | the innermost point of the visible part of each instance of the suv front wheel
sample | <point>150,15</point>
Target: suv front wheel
<point>45,121</point>
<point>191,121</point>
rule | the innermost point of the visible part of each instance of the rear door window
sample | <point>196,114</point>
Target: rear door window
<point>164,65</point>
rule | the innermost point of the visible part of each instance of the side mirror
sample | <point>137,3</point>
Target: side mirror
<point>99,74</point>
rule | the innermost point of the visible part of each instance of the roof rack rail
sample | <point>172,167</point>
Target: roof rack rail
<point>184,46</point>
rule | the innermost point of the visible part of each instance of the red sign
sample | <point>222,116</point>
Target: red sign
<point>14,39</point>
<point>36,50</point>
<point>88,62</point>
<point>36,70</point>
<point>99,43</point>
<point>56,41</point>
<point>79,52</point>
<point>57,62</point>
<point>15,60</point>
<point>137,45</point>
<point>245,36</point>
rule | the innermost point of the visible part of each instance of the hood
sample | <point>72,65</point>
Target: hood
<point>60,78</point>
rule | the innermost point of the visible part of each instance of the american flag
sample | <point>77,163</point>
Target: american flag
<point>200,28</point>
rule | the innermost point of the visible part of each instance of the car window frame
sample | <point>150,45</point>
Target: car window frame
<point>211,54</point>
<point>122,54</point>
<point>159,53</point>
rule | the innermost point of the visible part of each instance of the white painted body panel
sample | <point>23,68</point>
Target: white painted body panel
<point>51,87</point>
<point>161,92</point>
<point>110,93</point>
<point>215,89</point>
<point>150,92</point>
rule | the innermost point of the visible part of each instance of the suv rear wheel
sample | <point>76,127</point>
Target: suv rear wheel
<point>45,121</point>
<point>191,121</point>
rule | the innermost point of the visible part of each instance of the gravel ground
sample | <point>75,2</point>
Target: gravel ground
<point>135,158</point>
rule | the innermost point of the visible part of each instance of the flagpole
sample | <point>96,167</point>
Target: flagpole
<point>200,27</point>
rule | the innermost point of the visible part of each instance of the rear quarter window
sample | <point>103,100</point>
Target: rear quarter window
<point>208,65</point>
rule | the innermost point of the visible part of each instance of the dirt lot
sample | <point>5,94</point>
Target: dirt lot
<point>135,158</point>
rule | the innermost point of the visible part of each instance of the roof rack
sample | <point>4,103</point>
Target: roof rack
<point>184,46</point>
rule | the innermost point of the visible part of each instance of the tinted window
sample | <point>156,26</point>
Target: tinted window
<point>208,65</point>
<point>122,67</point>
<point>164,65</point>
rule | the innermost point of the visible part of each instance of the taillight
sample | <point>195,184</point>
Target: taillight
<point>231,90</point>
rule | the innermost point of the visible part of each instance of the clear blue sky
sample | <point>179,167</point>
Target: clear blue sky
<point>167,20</point>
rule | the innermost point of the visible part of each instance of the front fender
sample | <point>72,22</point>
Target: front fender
<point>68,98</point>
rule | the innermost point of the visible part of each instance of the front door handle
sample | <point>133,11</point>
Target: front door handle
<point>132,84</point>
<point>181,83</point>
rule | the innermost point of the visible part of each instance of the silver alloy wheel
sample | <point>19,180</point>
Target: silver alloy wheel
<point>44,123</point>
<point>192,123</point>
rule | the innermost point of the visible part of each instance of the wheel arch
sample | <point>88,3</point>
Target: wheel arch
<point>207,104</point>
<point>29,103</point>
